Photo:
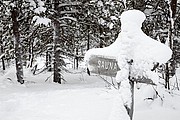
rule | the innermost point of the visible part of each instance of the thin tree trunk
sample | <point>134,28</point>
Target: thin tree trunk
<point>3,62</point>
<point>88,40</point>
<point>101,33</point>
<point>18,48</point>
<point>48,60</point>
<point>131,111</point>
<point>77,62</point>
<point>167,86</point>
<point>31,53</point>
<point>171,63</point>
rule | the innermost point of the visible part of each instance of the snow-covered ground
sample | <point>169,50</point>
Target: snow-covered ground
<point>82,97</point>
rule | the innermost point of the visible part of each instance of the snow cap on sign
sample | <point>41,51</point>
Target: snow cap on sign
<point>134,16</point>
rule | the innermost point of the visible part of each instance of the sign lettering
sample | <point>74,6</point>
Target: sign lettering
<point>103,66</point>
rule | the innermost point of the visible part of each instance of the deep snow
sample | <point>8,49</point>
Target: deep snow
<point>82,97</point>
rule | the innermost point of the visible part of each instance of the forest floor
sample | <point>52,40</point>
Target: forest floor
<point>81,97</point>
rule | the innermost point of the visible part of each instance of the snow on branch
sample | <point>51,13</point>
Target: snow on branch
<point>41,20</point>
<point>69,12</point>
<point>69,4</point>
<point>70,18</point>
<point>2,55</point>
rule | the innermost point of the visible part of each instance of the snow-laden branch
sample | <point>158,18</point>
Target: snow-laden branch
<point>69,12</point>
<point>2,55</point>
<point>70,18</point>
<point>70,4</point>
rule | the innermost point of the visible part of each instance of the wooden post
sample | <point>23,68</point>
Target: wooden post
<point>131,110</point>
<point>131,82</point>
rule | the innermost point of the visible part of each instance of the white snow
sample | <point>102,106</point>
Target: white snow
<point>83,97</point>
<point>40,8</point>
<point>41,20</point>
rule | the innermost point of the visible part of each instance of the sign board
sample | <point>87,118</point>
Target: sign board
<point>108,66</point>
<point>103,65</point>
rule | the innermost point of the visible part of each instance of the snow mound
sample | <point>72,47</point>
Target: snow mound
<point>132,16</point>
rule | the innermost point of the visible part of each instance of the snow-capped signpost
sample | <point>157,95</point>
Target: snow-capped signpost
<point>131,58</point>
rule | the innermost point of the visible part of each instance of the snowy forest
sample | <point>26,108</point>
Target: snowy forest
<point>42,49</point>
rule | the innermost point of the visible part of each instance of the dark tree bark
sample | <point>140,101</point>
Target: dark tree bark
<point>31,53</point>
<point>88,40</point>
<point>57,52</point>
<point>77,59</point>
<point>2,58</point>
<point>48,60</point>
<point>18,48</point>
<point>173,7</point>
<point>167,86</point>
<point>57,59</point>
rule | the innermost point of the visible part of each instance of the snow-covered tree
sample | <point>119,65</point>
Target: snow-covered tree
<point>18,31</point>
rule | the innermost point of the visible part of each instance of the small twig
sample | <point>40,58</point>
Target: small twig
<point>108,82</point>
<point>157,93</point>
<point>63,79</point>
<point>48,78</point>
<point>41,71</point>
<point>10,80</point>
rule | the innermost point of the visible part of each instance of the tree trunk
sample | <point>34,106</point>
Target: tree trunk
<point>88,39</point>
<point>167,86</point>
<point>18,48</point>
<point>57,52</point>
<point>131,111</point>
<point>131,82</point>
<point>77,61</point>
<point>31,53</point>
<point>48,60</point>
<point>3,63</point>
<point>57,57</point>
<point>2,58</point>
<point>171,64</point>
<point>173,7</point>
